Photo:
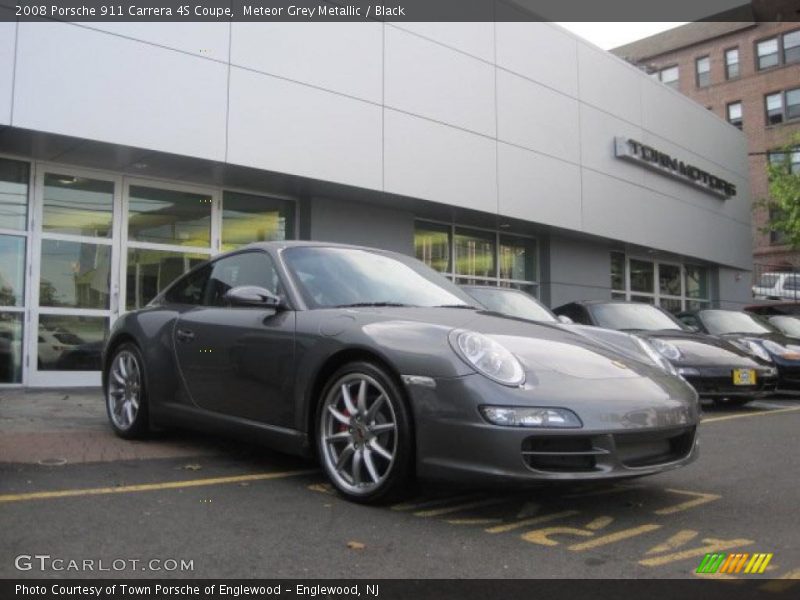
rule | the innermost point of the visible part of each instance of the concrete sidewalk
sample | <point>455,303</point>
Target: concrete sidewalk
<point>59,426</point>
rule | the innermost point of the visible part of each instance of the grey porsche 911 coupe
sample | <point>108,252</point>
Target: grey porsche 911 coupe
<point>384,370</point>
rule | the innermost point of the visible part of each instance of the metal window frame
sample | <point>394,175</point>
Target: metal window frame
<point>656,294</point>
<point>699,73</point>
<point>728,64</point>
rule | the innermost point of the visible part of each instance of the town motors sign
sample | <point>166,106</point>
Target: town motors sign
<point>655,160</point>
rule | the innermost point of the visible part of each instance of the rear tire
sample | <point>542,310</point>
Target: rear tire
<point>126,394</point>
<point>364,435</point>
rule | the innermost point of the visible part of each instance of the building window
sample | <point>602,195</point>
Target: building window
<point>783,49</point>
<point>782,106</point>
<point>767,53</point>
<point>668,76</point>
<point>673,286</point>
<point>703,66</point>
<point>478,257</point>
<point>732,63</point>
<point>735,114</point>
<point>248,218</point>
<point>776,238</point>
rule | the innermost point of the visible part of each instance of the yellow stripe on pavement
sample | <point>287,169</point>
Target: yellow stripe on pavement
<point>751,414</point>
<point>148,487</point>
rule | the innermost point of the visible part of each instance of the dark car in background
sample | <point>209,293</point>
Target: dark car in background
<point>720,370</point>
<point>745,329</point>
<point>383,369</point>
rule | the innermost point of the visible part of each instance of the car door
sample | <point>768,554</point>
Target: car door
<point>239,360</point>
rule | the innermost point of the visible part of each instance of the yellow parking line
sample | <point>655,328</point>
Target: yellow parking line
<point>532,521</point>
<point>700,498</point>
<point>438,512</point>
<point>751,414</point>
<point>148,487</point>
<point>614,537</point>
<point>434,501</point>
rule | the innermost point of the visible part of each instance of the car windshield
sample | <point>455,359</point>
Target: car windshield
<point>788,325</point>
<point>330,277</point>
<point>633,317</point>
<point>721,322</point>
<point>512,302</point>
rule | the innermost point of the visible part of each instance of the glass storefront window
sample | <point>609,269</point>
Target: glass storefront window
<point>475,253</point>
<point>150,271</point>
<point>70,343</point>
<point>11,347</point>
<point>77,205</point>
<point>14,177</point>
<point>696,282</point>
<point>672,305</point>
<point>517,258</point>
<point>642,276</point>
<point>432,245</point>
<point>169,217</point>
<point>617,271</point>
<point>247,218</point>
<point>74,274</point>
<point>12,270</point>
<point>669,279</point>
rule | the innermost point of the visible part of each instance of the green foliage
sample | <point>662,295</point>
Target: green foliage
<point>784,196</point>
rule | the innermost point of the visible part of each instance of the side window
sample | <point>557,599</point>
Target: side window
<point>690,320</point>
<point>248,268</point>
<point>189,289</point>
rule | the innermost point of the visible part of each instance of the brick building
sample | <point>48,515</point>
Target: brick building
<point>747,73</point>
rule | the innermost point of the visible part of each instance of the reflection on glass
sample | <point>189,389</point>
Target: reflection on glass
<point>69,343</point>
<point>247,218</point>
<point>642,276</point>
<point>671,304</point>
<point>169,217</point>
<point>74,274</point>
<point>475,253</point>
<point>669,279</point>
<point>643,299</point>
<point>432,245</point>
<point>617,271</point>
<point>696,305</point>
<point>696,281</point>
<point>13,194</point>
<point>618,295</point>
<point>150,271</point>
<point>12,270</point>
<point>517,258</point>
<point>10,347</point>
<point>77,205</point>
<point>528,288</point>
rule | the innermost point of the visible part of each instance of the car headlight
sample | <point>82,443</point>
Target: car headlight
<point>489,358</point>
<point>757,349</point>
<point>787,352</point>
<point>666,349</point>
<point>510,416</point>
<point>655,356</point>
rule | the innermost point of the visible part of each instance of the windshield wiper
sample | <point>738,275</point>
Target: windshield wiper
<point>469,306</point>
<point>357,304</point>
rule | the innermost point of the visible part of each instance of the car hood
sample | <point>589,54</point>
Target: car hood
<point>538,346</point>
<point>701,350</point>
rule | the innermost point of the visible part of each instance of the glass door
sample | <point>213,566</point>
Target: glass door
<point>74,275</point>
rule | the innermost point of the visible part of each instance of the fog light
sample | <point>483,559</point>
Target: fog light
<point>530,417</point>
<point>688,372</point>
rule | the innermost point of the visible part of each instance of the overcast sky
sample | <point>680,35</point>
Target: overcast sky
<point>611,35</point>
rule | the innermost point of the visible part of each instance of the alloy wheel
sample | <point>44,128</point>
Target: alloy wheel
<point>124,390</point>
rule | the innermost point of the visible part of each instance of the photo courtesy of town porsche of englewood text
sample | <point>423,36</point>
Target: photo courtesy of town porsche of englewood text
<point>420,299</point>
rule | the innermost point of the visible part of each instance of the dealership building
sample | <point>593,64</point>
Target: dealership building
<point>499,153</point>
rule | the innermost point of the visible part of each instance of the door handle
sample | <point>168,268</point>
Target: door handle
<point>184,335</point>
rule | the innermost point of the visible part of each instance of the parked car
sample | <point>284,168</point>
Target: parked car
<point>788,325</point>
<point>746,329</point>
<point>774,308</point>
<point>53,343</point>
<point>777,286</point>
<point>383,368</point>
<point>520,305</point>
<point>718,369</point>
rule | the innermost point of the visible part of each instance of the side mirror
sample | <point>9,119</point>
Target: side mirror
<point>253,295</point>
<point>565,319</point>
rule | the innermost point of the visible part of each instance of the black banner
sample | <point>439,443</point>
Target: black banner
<point>399,10</point>
<point>391,589</point>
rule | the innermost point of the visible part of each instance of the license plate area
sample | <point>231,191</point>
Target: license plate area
<point>744,377</point>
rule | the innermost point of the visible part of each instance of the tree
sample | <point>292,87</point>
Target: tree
<point>783,171</point>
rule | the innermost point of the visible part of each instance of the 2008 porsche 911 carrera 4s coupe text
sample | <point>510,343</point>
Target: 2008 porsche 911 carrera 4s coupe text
<point>384,370</point>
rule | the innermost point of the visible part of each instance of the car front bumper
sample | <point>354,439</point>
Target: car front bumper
<point>717,382</point>
<point>630,428</point>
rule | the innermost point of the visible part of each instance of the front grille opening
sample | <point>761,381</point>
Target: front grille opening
<point>653,448</point>
<point>568,454</point>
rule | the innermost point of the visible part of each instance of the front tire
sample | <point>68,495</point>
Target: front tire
<point>126,394</point>
<point>364,435</point>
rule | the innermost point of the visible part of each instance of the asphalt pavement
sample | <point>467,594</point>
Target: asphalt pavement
<point>185,505</point>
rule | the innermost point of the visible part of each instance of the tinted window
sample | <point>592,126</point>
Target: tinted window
<point>632,316</point>
<point>515,304</point>
<point>720,322</point>
<point>248,268</point>
<point>189,290</point>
